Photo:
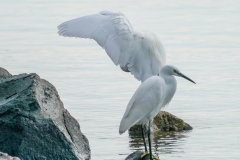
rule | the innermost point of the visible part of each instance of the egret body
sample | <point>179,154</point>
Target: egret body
<point>152,95</point>
<point>139,52</point>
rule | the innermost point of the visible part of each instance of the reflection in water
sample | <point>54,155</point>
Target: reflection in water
<point>203,38</point>
<point>162,142</point>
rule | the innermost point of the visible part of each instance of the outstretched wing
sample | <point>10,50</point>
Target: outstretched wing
<point>145,103</point>
<point>141,53</point>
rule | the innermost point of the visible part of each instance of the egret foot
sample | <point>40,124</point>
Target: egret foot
<point>146,155</point>
<point>155,158</point>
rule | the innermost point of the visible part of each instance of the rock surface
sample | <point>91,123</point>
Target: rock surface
<point>164,122</point>
<point>34,123</point>
<point>5,156</point>
<point>137,156</point>
<point>4,73</point>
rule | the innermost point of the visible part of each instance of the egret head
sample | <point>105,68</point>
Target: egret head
<point>172,70</point>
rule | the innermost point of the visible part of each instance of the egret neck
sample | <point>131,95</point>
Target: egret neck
<point>171,84</point>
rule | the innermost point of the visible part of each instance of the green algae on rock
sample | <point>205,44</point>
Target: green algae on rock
<point>164,122</point>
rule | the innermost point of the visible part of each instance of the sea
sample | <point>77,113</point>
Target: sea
<point>201,38</point>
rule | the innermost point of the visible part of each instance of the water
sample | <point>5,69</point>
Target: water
<point>201,38</point>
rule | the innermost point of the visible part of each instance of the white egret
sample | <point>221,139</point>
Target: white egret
<point>152,95</point>
<point>139,52</point>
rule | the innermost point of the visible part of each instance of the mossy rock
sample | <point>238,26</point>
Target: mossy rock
<point>164,122</point>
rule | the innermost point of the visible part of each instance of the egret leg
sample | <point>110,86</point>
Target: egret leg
<point>149,139</point>
<point>143,135</point>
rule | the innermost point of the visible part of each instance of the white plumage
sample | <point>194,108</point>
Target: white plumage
<point>145,103</point>
<point>140,52</point>
<point>152,95</point>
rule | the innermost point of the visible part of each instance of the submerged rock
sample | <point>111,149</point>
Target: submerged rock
<point>137,155</point>
<point>5,156</point>
<point>164,122</point>
<point>34,123</point>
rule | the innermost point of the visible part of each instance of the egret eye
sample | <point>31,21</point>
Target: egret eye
<point>175,71</point>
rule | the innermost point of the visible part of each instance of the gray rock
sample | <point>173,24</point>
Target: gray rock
<point>137,156</point>
<point>34,123</point>
<point>164,122</point>
<point>4,73</point>
<point>5,156</point>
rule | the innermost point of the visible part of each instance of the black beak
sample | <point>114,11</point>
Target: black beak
<point>182,75</point>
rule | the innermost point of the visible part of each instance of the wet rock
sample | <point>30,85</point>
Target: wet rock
<point>137,156</point>
<point>164,122</point>
<point>34,123</point>
<point>5,156</point>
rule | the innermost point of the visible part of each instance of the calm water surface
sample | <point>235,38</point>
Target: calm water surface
<point>201,38</point>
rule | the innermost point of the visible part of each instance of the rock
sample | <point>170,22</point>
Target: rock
<point>164,122</point>
<point>4,73</point>
<point>34,123</point>
<point>5,156</point>
<point>137,156</point>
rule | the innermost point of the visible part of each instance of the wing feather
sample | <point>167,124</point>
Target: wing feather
<point>141,52</point>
